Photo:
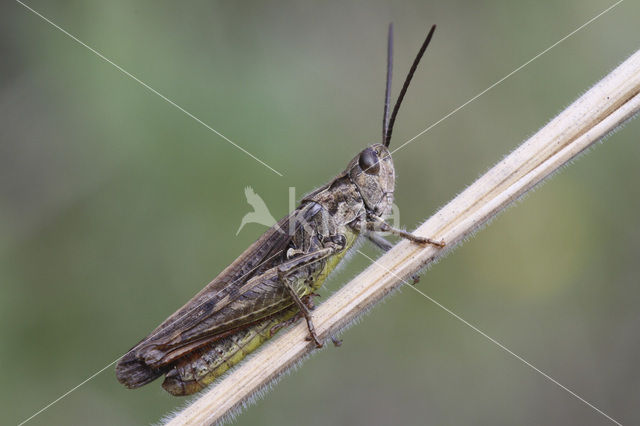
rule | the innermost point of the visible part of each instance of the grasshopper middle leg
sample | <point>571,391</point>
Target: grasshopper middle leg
<point>385,246</point>
<point>286,272</point>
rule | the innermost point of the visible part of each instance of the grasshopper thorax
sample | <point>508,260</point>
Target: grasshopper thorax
<point>373,174</point>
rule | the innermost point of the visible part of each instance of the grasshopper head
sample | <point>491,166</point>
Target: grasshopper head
<point>373,174</point>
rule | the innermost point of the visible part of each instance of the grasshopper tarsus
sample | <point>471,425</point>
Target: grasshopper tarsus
<point>429,241</point>
<point>425,241</point>
<point>415,278</point>
<point>313,337</point>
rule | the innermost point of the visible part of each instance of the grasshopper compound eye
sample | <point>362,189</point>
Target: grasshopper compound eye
<point>368,162</point>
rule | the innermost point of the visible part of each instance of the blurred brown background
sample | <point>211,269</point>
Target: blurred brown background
<point>115,208</point>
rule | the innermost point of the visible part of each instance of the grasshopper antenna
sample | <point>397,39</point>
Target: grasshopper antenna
<point>405,86</point>
<point>387,91</point>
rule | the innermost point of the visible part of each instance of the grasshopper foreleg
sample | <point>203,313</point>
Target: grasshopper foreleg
<point>377,224</point>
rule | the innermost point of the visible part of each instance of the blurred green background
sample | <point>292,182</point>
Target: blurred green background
<point>115,207</point>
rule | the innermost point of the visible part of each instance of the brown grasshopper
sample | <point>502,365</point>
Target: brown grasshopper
<point>272,283</point>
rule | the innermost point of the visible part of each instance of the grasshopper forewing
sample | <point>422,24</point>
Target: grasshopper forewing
<point>272,283</point>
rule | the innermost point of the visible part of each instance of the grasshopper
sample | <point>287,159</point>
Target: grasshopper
<point>273,282</point>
